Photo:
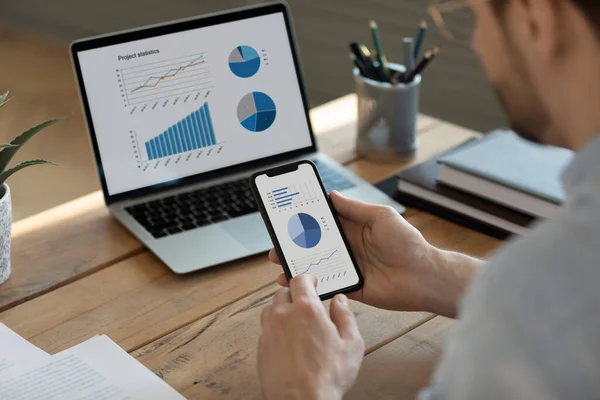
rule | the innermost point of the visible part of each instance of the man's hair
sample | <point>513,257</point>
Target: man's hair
<point>589,8</point>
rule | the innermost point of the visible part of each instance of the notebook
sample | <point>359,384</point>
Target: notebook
<point>418,187</point>
<point>510,171</point>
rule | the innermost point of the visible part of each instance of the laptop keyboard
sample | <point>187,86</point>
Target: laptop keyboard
<point>206,206</point>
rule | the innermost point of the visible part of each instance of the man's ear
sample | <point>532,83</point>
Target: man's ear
<point>545,26</point>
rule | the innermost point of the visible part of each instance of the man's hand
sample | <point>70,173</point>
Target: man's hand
<point>402,271</point>
<point>303,353</point>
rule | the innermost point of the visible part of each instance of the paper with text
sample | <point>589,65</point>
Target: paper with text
<point>97,369</point>
<point>16,351</point>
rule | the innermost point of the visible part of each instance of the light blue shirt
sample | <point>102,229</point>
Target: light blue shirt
<point>529,326</point>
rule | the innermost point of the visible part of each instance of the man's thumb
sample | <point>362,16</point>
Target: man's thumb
<point>343,318</point>
<point>353,210</point>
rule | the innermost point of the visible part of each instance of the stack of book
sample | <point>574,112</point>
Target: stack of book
<point>499,184</point>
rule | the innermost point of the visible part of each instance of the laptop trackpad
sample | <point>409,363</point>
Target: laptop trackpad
<point>249,231</point>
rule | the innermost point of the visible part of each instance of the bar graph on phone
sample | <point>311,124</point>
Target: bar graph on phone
<point>294,195</point>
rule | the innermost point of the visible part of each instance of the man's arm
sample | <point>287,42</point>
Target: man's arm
<point>444,280</point>
<point>402,271</point>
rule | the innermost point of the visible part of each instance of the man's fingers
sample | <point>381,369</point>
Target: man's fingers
<point>283,281</point>
<point>273,257</point>
<point>282,296</point>
<point>353,210</point>
<point>343,318</point>
<point>304,287</point>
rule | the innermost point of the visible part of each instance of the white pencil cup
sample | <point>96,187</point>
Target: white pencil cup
<point>387,116</point>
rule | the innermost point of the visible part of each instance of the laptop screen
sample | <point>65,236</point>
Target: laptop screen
<point>181,104</point>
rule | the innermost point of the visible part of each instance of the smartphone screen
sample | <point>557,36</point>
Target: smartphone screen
<point>307,234</point>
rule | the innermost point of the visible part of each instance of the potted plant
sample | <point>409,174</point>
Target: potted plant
<point>7,152</point>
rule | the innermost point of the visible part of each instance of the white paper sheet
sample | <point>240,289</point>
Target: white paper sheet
<point>97,369</point>
<point>16,351</point>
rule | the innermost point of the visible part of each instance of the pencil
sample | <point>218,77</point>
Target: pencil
<point>419,40</point>
<point>380,56</point>
<point>429,56</point>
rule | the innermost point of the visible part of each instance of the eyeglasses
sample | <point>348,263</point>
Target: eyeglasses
<point>454,19</point>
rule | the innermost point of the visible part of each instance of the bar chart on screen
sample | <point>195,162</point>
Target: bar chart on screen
<point>294,195</point>
<point>193,132</point>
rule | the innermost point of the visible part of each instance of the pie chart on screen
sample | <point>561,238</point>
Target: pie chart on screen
<point>256,111</point>
<point>244,61</point>
<point>304,230</point>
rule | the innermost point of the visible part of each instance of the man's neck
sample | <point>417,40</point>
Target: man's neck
<point>575,98</point>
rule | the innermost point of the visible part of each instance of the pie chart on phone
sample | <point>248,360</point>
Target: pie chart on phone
<point>304,230</point>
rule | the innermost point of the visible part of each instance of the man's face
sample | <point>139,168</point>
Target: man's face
<point>506,69</point>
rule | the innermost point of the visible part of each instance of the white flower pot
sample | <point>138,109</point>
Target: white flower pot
<point>5,232</point>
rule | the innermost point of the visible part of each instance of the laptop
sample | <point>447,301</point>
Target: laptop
<point>181,114</point>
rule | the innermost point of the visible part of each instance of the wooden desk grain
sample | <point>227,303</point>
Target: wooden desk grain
<point>78,274</point>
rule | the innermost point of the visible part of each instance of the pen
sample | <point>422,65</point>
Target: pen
<point>360,65</point>
<point>409,59</point>
<point>429,56</point>
<point>419,41</point>
<point>368,58</point>
<point>380,56</point>
<point>364,60</point>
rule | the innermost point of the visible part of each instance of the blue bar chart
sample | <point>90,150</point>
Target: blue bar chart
<point>193,132</point>
<point>283,197</point>
<point>293,195</point>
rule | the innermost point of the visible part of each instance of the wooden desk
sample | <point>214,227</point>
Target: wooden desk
<point>78,273</point>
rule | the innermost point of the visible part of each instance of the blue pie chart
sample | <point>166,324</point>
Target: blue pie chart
<point>256,111</point>
<point>304,230</point>
<point>244,61</point>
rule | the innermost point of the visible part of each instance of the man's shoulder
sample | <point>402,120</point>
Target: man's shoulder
<point>527,327</point>
<point>555,268</point>
<point>573,235</point>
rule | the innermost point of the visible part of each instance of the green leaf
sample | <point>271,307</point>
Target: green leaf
<point>6,145</point>
<point>6,174</point>
<point>8,153</point>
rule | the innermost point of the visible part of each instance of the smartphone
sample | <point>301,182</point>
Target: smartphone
<point>304,227</point>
